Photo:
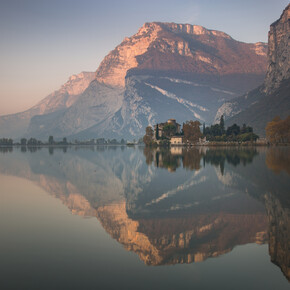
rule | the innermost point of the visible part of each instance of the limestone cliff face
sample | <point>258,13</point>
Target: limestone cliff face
<point>278,52</point>
<point>115,65</point>
<point>181,47</point>
<point>261,105</point>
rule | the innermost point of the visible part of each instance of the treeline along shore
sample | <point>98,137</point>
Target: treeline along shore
<point>171,133</point>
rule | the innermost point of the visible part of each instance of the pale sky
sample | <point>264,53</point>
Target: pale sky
<point>44,42</point>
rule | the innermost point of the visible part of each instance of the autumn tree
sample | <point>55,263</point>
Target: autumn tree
<point>148,137</point>
<point>191,130</point>
<point>278,131</point>
<point>191,159</point>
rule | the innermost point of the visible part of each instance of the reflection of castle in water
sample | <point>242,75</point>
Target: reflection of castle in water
<point>190,157</point>
<point>167,218</point>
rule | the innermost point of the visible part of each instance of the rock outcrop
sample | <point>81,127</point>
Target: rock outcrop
<point>261,105</point>
<point>278,52</point>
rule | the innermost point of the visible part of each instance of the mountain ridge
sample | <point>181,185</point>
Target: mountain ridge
<point>164,69</point>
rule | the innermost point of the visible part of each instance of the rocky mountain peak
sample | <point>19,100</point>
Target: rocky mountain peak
<point>192,29</point>
<point>180,47</point>
<point>114,67</point>
<point>78,83</point>
<point>278,52</point>
<point>165,68</point>
<point>67,94</point>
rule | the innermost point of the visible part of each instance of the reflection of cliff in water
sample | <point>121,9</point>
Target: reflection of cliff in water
<point>279,233</point>
<point>183,239</point>
<point>169,217</point>
<point>277,202</point>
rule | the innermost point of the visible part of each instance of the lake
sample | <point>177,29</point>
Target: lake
<point>139,218</point>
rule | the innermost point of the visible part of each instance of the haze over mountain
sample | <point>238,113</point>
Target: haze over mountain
<point>165,70</point>
<point>272,98</point>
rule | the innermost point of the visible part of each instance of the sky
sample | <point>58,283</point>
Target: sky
<point>43,42</point>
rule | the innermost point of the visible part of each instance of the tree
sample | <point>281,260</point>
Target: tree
<point>250,136</point>
<point>191,131</point>
<point>148,137</point>
<point>6,142</point>
<point>169,130</point>
<point>222,125</point>
<point>50,140</point>
<point>23,141</point>
<point>233,130</point>
<point>244,129</point>
<point>157,132</point>
<point>32,142</point>
<point>278,131</point>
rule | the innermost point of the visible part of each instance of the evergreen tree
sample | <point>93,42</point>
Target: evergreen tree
<point>222,125</point>
<point>23,141</point>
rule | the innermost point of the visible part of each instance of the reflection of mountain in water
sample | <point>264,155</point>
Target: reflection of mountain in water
<point>202,210</point>
<point>279,233</point>
<point>182,239</point>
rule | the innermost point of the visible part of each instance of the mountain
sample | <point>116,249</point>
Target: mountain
<point>16,125</point>
<point>165,70</point>
<point>272,98</point>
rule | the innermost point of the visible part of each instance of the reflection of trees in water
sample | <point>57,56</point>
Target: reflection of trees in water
<point>219,157</point>
<point>148,153</point>
<point>278,159</point>
<point>191,159</point>
<point>6,149</point>
<point>165,158</point>
<point>86,181</point>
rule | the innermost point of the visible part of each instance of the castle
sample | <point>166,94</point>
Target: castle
<point>167,129</point>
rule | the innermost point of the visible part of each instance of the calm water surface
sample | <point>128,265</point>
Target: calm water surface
<point>134,218</point>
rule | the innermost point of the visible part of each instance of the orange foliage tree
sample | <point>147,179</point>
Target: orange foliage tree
<point>278,131</point>
<point>191,131</point>
<point>148,137</point>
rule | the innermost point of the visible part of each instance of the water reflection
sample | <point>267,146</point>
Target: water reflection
<point>205,203</point>
<point>190,157</point>
<point>278,159</point>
